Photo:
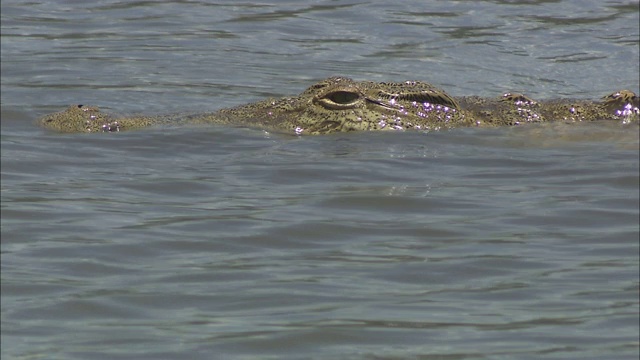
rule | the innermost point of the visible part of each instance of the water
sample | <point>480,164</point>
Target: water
<point>219,242</point>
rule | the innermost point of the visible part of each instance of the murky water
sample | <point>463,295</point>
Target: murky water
<point>219,242</point>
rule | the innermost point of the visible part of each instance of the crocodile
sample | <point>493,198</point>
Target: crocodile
<point>340,104</point>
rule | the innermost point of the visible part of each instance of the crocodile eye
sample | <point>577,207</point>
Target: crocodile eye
<point>339,99</point>
<point>343,97</point>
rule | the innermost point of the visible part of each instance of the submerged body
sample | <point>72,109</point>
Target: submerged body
<point>341,104</point>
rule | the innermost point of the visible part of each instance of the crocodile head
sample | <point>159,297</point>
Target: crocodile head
<point>341,104</point>
<point>332,105</point>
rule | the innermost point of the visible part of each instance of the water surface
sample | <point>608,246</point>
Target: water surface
<point>222,242</point>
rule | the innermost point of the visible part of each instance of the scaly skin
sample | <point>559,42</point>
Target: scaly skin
<point>341,104</point>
